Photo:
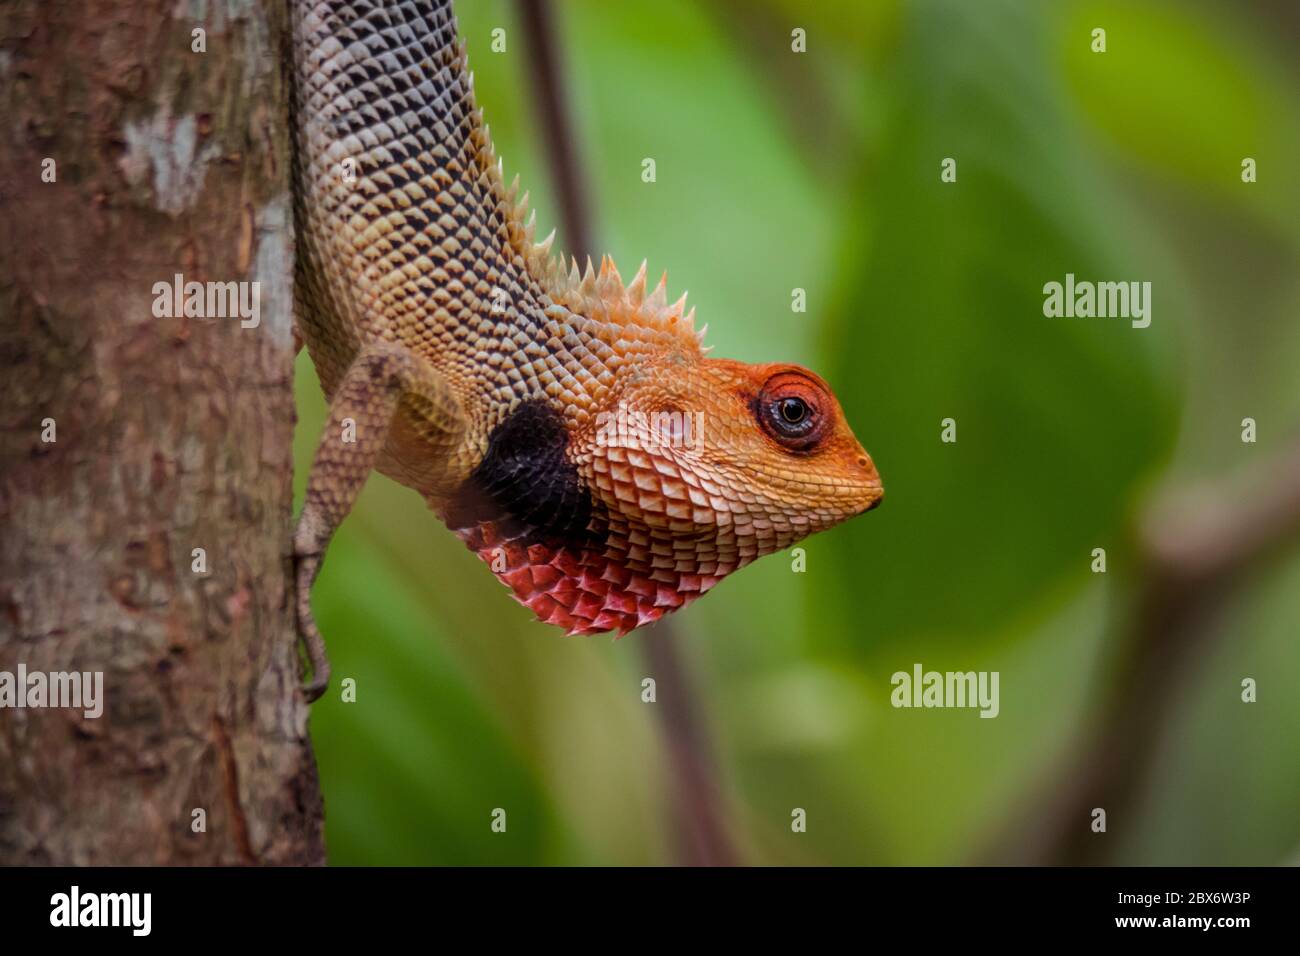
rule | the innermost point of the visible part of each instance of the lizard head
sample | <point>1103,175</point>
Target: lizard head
<point>741,460</point>
<point>627,496</point>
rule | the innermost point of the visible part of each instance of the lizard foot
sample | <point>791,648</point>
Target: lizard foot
<point>307,566</point>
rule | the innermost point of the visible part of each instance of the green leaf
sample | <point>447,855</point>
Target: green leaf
<point>1057,419</point>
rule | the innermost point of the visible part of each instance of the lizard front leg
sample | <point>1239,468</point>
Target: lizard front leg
<point>360,413</point>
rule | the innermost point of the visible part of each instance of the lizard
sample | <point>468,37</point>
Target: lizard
<point>567,425</point>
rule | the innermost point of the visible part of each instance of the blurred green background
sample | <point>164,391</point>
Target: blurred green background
<point>820,171</point>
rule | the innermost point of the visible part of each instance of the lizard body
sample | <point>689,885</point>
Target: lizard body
<point>568,426</point>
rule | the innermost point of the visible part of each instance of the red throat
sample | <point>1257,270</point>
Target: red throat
<point>581,589</point>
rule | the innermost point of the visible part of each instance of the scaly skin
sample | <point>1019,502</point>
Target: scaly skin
<point>568,427</point>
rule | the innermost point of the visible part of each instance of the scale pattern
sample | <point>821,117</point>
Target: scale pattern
<point>409,236</point>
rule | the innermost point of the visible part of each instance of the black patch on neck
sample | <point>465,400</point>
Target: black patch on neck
<point>526,481</point>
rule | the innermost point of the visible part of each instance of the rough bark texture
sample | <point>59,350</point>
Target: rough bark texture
<point>172,434</point>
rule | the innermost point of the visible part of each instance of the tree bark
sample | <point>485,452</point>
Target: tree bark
<point>170,435</point>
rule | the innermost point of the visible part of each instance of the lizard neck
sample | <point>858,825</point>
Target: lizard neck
<point>530,515</point>
<point>583,588</point>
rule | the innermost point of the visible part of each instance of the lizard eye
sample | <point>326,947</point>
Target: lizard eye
<point>792,410</point>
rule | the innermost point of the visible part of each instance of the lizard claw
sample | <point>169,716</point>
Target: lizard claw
<point>320,679</point>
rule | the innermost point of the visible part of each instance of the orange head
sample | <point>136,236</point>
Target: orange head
<point>629,492</point>
<point>741,460</point>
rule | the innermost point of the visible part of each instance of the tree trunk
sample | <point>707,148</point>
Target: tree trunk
<point>169,434</point>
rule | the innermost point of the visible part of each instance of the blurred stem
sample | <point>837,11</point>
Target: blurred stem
<point>558,135</point>
<point>1195,548</point>
<point>697,796</point>
<point>814,119</point>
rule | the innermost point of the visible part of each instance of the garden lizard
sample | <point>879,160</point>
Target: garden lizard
<point>567,425</point>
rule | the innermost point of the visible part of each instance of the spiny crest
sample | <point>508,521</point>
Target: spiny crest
<point>602,295</point>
